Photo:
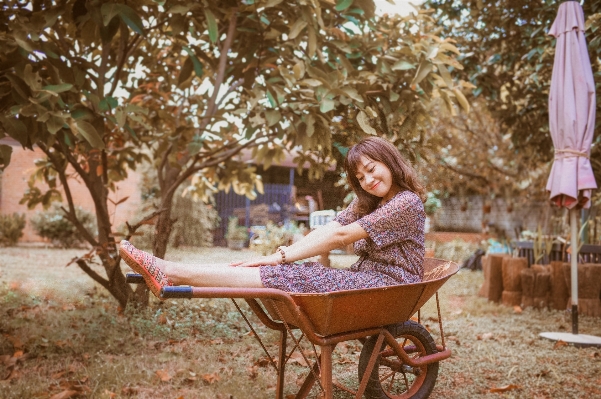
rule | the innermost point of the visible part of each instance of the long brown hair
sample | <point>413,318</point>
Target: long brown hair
<point>380,150</point>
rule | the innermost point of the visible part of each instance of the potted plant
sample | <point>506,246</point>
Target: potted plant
<point>235,235</point>
<point>431,205</point>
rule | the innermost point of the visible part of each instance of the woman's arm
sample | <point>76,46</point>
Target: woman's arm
<point>322,240</point>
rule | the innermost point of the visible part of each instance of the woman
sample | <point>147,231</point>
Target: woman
<point>385,221</point>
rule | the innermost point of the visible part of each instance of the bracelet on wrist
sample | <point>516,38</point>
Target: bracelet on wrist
<point>282,253</point>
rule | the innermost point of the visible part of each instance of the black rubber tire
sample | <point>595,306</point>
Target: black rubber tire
<point>419,386</point>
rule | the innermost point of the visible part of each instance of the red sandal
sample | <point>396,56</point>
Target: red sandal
<point>146,265</point>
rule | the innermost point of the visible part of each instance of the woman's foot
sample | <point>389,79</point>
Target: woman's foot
<point>150,267</point>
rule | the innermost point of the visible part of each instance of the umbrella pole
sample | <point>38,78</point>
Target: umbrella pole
<point>574,268</point>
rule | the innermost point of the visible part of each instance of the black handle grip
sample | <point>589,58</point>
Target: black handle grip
<point>176,292</point>
<point>134,278</point>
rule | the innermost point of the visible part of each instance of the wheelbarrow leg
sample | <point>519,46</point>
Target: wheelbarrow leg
<point>304,390</point>
<point>281,365</point>
<point>326,370</point>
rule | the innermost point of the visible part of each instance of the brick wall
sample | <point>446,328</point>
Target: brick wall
<point>14,183</point>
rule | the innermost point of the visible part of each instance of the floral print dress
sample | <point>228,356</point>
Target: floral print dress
<point>392,254</point>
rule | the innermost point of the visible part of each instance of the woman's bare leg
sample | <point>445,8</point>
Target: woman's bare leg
<point>159,273</point>
<point>213,275</point>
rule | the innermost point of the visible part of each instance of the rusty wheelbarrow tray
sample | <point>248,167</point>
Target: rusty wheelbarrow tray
<point>379,317</point>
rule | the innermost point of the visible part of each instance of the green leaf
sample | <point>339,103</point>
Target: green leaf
<point>15,129</point>
<point>108,103</point>
<point>326,105</point>
<point>296,28</point>
<point>197,64</point>
<point>273,116</point>
<point>55,124</point>
<point>353,93</point>
<point>424,69</point>
<point>272,3</point>
<point>58,88</point>
<point>272,100</point>
<point>402,66</point>
<point>343,4</point>
<point>462,100</point>
<point>126,13</point>
<point>89,133</point>
<point>179,9</point>
<point>212,25</point>
<point>5,153</point>
<point>446,76</point>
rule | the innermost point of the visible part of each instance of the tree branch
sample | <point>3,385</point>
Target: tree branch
<point>102,69</point>
<point>233,87</point>
<point>464,173</point>
<point>132,229</point>
<point>95,276</point>
<point>221,69</point>
<point>70,214</point>
<point>121,54</point>
<point>160,171</point>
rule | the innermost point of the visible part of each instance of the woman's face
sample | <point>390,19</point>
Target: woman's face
<point>376,178</point>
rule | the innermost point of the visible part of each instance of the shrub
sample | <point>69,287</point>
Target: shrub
<point>54,225</point>
<point>266,239</point>
<point>11,228</point>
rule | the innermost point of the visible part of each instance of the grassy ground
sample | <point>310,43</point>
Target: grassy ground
<point>62,336</point>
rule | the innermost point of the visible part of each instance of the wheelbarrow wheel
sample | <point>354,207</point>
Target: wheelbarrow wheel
<point>390,377</point>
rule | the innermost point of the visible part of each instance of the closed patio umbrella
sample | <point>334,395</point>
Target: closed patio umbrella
<point>571,123</point>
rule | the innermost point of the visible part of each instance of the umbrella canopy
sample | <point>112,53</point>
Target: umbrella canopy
<point>571,111</point>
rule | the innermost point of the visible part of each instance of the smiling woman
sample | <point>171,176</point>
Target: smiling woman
<point>385,222</point>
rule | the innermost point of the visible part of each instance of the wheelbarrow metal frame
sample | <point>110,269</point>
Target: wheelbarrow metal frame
<point>283,302</point>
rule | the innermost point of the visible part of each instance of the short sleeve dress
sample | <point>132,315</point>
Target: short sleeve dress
<point>392,254</point>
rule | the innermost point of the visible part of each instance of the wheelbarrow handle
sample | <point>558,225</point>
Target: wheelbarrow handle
<point>134,278</point>
<point>179,291</point>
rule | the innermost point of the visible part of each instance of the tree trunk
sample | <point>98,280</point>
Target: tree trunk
<point>495,275</point>
<point>559,289</point>
<point>106,249</point>
<point>527,277</point>
<point>589,286</point>
<point>483,292</point>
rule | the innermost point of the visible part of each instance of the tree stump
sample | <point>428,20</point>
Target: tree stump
<point>495,277</point>
<point>542,285</point>
<point>527,279</point>
<point>512,282</point>
<point>483,292</point>
<point>589,286</point>
<point>559,289</point>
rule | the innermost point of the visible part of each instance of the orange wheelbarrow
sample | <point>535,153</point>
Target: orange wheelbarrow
<point>399,358</point>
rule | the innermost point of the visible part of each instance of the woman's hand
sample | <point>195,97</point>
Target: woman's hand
<point>269,260</point>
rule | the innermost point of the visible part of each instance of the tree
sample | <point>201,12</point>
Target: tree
<point>508,55</point>
<point>203,82</point>
<point>470,154</point>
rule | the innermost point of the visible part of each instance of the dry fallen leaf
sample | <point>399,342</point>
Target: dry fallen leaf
<point>506,388</point>
<point>298,358</point>
<point>16,341</point>
<point>211,378</point>
<point>65,394</point>
<point>560,344</point>
<point>110,394</point>
<point>262,362</point>
<point>163,375</point>
<point>517,309</point>
<point>58,375</point>
<point>484,336</point>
